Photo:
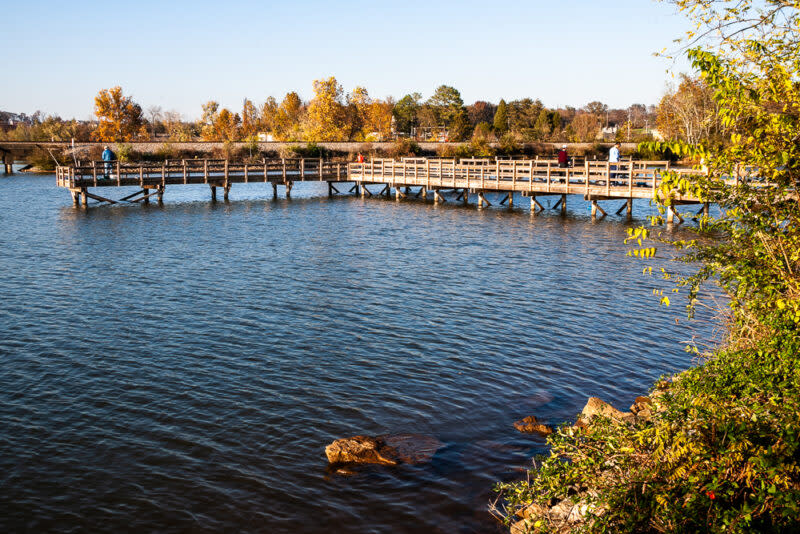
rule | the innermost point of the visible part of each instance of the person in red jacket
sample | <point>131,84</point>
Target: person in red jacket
<point>563,158</point>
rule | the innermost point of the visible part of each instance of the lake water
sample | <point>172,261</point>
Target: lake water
<point>180,368</point>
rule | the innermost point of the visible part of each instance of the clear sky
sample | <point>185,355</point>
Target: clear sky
<point>176,54</point>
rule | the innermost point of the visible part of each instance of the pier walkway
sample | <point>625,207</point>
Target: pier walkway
<point>533,178</point>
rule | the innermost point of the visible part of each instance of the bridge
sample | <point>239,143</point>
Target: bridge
<point>595,181</point>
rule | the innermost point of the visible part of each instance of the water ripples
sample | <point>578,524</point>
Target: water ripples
<point>182,367</point>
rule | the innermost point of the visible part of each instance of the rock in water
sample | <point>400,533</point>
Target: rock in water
<point>413,448</point>
<point>531,425</point>
<point>361,450</point>
<point>384,450</point>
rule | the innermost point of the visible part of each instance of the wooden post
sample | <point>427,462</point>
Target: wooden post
<point>320,169</point>
<point>594,209</point>
<point>161,195</point>
<point>185,176</point>
<point>274,190</point>
<point>530,169</point>
<point>289,187</point>
<point>283,165</point>
<point>330,190</point>
<point>630,180</point>
<point>84,198</point>
<point>513,179</point>
<point>705,209</point>
<point>670,215</point>
<point>226,174</point>
<point>563,204</point>
<point>245,174</point>
<point>586,171</point>
<point>511,199</point>
<point>302,169</point>
<point>629,209</point>
<point>94,172</point>
<point>549,171</point>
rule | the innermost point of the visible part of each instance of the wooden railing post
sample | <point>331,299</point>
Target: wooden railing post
<point>630,181</point>
<point>549,175</point>
<point>427,173</point>
<point>586,170</point>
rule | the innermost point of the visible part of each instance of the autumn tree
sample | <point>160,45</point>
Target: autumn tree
<point>119,117</point>
<point>219,124</point>
<point>326,118</point>
<point>250,119</point>
<point>688,113</point>
<point>177,130</point>
<point>379,119</point>
<point>480,112</point>
<point>356,113</point>
<point>584,128</point>
<point>289,118</point>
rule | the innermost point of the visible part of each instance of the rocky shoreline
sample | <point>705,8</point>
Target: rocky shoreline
<point>565,515</point>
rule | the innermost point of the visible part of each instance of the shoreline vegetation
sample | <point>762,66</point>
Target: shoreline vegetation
<point>720,448</point>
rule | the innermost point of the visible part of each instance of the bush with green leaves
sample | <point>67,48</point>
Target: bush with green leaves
<point>722,451</point>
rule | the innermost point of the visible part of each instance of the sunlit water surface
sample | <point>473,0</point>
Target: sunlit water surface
<point>181,367</point>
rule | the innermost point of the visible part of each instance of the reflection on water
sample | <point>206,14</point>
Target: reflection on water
<point>182,367</point>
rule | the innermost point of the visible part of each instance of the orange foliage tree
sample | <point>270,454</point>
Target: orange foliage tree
<point>119,117</point>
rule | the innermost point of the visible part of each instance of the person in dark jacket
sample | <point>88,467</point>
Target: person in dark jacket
<point>563,158</point>
<point>108,157</point>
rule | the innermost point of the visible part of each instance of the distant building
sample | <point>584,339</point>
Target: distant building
<point>609,133</point>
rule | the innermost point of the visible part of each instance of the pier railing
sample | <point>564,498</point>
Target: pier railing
<point>624,179</point>
<point>194,171</point>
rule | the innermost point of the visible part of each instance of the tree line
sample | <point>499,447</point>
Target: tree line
<point>686,112</point>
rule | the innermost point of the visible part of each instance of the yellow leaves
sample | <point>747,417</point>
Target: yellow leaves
<point>643,253</point>
<point>119,117</point>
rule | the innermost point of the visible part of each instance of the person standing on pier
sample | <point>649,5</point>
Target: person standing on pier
<point>613,157</point>
<point>108,157</point>
<point>563,158</point>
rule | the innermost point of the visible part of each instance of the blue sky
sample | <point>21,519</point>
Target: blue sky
<point>178,55</point>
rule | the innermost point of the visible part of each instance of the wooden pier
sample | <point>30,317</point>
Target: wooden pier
<point>595,181</point>
<point>152,178</point>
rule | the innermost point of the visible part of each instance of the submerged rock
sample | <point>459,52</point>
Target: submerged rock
<point>532,425</point>
<point>413,448</point>
<point>383,450</point>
